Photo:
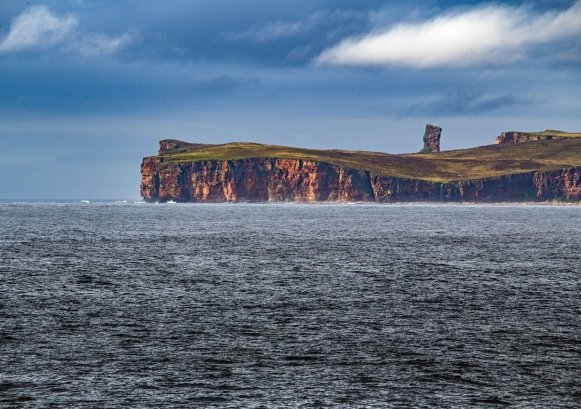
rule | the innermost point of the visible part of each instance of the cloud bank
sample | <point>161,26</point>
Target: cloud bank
<point>39,28</point>
<point>491,34</point>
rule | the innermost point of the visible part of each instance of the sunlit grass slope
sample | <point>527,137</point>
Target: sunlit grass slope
<point>552,132</point>
<point>464,164</point>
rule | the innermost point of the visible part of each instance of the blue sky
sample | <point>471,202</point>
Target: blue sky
<point>88,87</point>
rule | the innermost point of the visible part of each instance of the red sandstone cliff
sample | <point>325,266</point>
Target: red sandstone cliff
<point>520,137</point>
<point>252,180</point>
<point>292,180</point>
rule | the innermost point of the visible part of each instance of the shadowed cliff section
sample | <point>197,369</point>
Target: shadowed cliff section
<point>534,170</point>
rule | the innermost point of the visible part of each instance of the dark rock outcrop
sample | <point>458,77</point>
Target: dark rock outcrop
<point>521,137</point>
<point>293,180</point>
<point>171,146</point>
<point>432,138</point>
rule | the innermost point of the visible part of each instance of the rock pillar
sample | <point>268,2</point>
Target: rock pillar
<point>432,138</point>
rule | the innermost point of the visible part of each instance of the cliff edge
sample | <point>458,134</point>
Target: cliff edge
<point>521,137</point>
<point>544,169</point>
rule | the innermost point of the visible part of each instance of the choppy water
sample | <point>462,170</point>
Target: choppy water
<point>128,305</point>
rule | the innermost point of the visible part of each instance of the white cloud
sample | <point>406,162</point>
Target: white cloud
<point>491,34</point>
<point>38,27</point>
<point>273,31</point>
<point>100,44</point>
<point>283,29</point>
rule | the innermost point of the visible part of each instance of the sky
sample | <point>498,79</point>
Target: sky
<point>89,87</point>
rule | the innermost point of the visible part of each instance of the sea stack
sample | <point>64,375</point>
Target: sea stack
<point>432,139</point>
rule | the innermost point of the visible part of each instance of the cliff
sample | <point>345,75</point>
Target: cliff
<point>280,180</point>
<point>246,172</point>
<point>520,137</point>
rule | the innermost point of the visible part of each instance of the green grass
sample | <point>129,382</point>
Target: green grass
<point>464,164</point>
<point>552,132</point>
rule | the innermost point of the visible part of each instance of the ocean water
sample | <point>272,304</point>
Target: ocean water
<point>116,305</point>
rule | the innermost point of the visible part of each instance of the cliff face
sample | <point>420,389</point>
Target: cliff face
<point>252,180</point>
<point>564,183</point>
<point>520,137</point>
<point>291,180</point>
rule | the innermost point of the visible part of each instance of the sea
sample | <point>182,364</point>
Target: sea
<point>121,304</point>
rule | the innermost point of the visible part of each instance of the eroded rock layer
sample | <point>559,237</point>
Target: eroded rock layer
<point>520,137</point>
<point>432,138</point>
<point>292,180</point>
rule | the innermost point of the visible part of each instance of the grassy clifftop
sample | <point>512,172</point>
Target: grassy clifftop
<point>552,132</point>
<point>464,164</point>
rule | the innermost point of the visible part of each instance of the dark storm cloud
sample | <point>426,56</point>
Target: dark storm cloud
<point>99,56</point>
<point>106,87</point>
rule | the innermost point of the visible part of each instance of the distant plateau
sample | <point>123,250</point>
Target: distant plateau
<point>520,166</point>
